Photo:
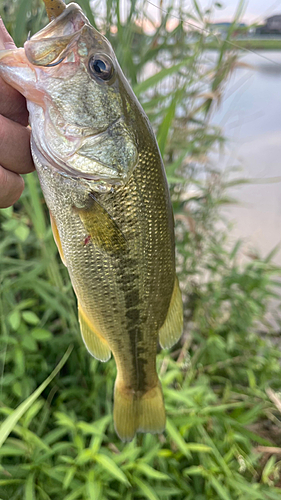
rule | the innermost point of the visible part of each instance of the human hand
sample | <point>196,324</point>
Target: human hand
<point>15,154</point>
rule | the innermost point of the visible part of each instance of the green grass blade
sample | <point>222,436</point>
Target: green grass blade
<point>145,489</point>
<point>10,422</point>
<point>37,212</point>
<point>177,438</point>
<point>221,491</point>
<point>112,469</point>
<point>151,473</point>
<point>166,125</point>
<point>163,73</point>
<point>19,31</point>
<point>29,488</point>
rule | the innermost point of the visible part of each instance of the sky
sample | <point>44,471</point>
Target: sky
<point>256,10</point>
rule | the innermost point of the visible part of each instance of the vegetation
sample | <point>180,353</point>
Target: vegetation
<point>251,44</point>
<point>220,383</point>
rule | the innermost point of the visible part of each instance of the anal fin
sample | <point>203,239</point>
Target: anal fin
<point>94,342</point>
<point>171,330</point>
<point>57,238</point>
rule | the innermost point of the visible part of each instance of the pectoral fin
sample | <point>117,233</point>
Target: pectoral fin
<point>94,342</point>
<point>102,230</point>
<point>171,330</point>
<point>57,238</point>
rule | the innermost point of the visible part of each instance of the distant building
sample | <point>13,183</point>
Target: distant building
<point>272,26</point>
<point>273,23</point>
<point>222,28</point>
<point>219,27</point>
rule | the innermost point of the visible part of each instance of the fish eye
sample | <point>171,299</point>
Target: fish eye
<point>101,66</point>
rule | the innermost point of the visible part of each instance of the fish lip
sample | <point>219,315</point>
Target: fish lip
<point>28,48</point>
<point>60,21</point>
<point>49,46</point>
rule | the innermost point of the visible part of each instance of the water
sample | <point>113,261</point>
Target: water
<point>250,115</point>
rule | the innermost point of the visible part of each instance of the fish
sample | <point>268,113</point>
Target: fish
<point>105,186</point>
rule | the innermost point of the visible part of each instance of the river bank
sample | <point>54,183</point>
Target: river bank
<point>249,44</point>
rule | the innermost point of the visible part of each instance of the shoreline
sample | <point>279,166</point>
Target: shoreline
<point>255,44</point>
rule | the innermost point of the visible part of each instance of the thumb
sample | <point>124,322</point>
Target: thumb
<point>6,41</point>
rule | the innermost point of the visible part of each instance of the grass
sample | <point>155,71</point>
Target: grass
<point>251,44</point>
<point>221,382</point>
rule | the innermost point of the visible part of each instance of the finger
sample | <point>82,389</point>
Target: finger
<point>15,154</point>
<point>11,187</point>
<point>6,41</point>
<point>12,103</point>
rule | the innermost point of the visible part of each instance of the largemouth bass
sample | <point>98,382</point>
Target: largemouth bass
<point>103,180</point>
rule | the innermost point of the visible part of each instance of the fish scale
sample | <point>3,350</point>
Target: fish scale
<point>104,183</point>
<point>104,298</point>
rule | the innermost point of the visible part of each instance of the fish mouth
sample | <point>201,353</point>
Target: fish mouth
<point>50,45</point>
<point>95,155</point>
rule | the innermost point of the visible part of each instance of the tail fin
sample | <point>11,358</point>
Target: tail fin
<point>138,412</point>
